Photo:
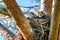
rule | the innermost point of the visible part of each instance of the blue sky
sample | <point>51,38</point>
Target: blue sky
<point>1,38</point>
<point>27,3</point>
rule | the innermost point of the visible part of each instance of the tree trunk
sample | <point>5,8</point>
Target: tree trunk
<point>46,6</point>
<point>20,20</point>
<point>55,22</point>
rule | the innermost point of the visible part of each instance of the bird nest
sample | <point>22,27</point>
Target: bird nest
<point>40,28</point>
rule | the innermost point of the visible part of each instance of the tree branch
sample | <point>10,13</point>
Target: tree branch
<point>5,13</point>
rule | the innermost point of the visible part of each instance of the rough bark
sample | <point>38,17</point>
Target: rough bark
<point>55,22</point>
<point>20,20</point>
